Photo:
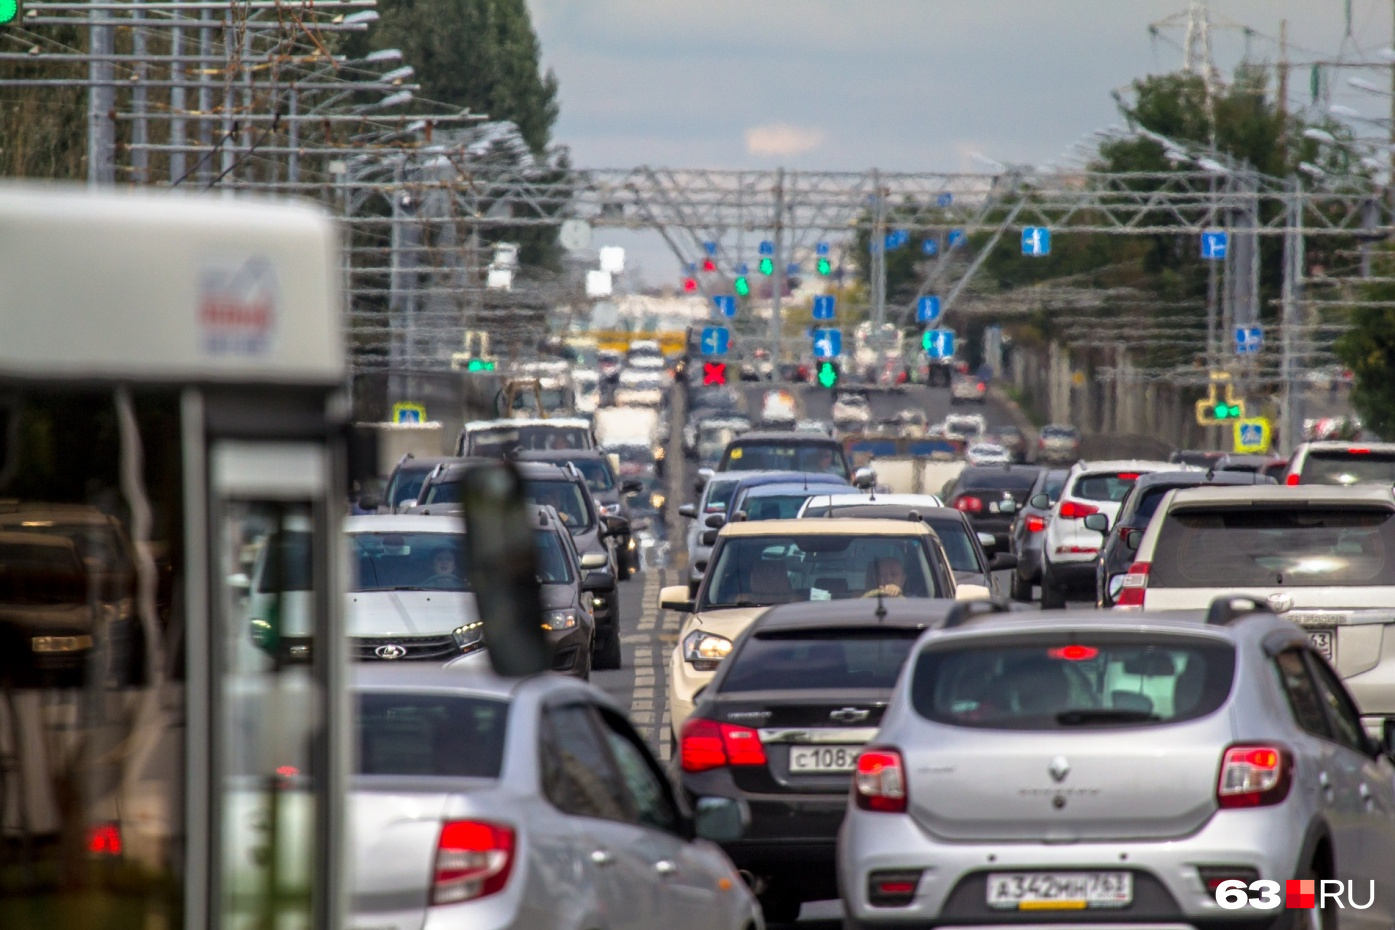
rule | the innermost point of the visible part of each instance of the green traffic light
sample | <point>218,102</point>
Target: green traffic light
<point>828,374</point>
<point>9,11</point>
<point>476,364</point>
<point>1226,411</point>
<point>767,266</point>
<point>927,339</point>
<point>825,267</point>
<point>742,286</point>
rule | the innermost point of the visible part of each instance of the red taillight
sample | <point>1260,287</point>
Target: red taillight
<point>880,781</point>
<point>1036,524</point>
<point>981,387</point>
<point>1356,451</point>
<point>1291,480</point>
<point>1254,776</point>
<point>104,839</point>
<point>1135,585</point>
<point>1074,510</point>
<point>707,744</point>
<point>1073,653</point>
<point>1127,476</point>
<point>968,504</point>
<point>473,859</point>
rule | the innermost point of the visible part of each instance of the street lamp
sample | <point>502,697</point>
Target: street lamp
<point>1311,170</point>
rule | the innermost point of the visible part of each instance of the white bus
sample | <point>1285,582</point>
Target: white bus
<point>172,391</point>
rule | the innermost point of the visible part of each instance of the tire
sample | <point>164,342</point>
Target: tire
<point>606,655</point>
<point>1020,589</point>
<point>779,909</point>
<point>1052,597</point>
<point>1310,918</point>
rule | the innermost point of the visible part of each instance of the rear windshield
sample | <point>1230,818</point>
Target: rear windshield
<point>428,734</point>
<point>1338,466</point>
<point>774,506</point>
<point>1152,497</point>
<point>495,441</point>
<point>1308,547</point>
<point>719,495</point>
<point>1073,680</point>
<point>761,456</point>
<point>998,480</point>
<point>1104,487</point>
<point>832,659</point>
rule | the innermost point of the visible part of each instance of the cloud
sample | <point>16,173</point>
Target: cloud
<point>782,139</point>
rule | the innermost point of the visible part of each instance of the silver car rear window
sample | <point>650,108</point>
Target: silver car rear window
<point>1344,467</point>
<point>1069,681</point>
<point>431,734</point>
<point>1292,546</point>
<point>832,660</point>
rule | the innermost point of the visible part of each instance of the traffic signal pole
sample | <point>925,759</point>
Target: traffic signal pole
<point>777,279</point>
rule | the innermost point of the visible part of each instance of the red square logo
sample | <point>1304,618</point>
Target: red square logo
<point>1300,893</point>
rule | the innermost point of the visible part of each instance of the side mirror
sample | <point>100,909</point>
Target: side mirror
<point>597,581</point>
<point>716,521</point>
<point>721,820</point>
<point>1009,505</point>
<point>709,538</point>
<point>594,560</point>
<point>1098,522</point>
<point>1132,538</point>
<point>616,526</point>
<point>1040,502</point>
<point>1002,561</point>
<point>864,478</point>
<point>675,597</point>
<point>972,592</point>
<point>631,486</point>
<point>688,510</point>
<point>369,502</point>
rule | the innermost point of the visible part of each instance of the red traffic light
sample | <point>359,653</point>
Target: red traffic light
<point>690,284</point>
<point>709,265</point>
<point>714,373</point>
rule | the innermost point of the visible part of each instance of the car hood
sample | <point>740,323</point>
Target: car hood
<point>556,596</point>
<point>728,622</point>
<point>409,613</point>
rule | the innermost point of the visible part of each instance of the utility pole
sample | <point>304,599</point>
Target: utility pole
<point>777,280</point>
<point>1291,414</point>
<point>877,246</point>
<point>101,99</point>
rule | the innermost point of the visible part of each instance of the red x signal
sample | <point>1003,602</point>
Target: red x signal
<point>714,372</point>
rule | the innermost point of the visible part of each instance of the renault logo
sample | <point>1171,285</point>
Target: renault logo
<point>1280,603</point>
<point>390,651</point>
<point>1059,769</point>
<point>849,715</point>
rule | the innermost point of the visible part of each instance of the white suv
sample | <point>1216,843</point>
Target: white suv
<point>1322,557</point>
<point>1342,463</point>
<point>1070,549</point>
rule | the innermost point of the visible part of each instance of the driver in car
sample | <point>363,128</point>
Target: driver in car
<point>889,576</point>
<point>445,573</point>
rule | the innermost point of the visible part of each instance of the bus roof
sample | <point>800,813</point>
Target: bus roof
<point>145,286</point>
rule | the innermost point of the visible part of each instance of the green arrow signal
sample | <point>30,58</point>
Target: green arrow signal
<point>828,374</point>
<point>742,286</point>
<point>767,266</point>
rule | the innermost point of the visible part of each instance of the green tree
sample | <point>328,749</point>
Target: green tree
<point>1368,349</point>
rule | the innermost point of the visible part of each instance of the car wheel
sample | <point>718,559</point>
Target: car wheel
<point>1052,597</point>
<point>1021,589</point>
<point>606,655</point>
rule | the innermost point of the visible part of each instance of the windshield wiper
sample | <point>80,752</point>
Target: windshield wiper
<point>1088,715</point>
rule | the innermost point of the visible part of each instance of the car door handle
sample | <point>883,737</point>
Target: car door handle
<point>602,857</point>
<point>666,868</point>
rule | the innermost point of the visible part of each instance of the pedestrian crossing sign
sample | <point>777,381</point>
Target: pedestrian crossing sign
<point>1252,435</point>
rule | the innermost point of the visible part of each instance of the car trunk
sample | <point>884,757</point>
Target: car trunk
<point>1065,785</point>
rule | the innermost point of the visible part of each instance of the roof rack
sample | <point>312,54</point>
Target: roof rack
<point>964,611</point>
<point>1229,608</point>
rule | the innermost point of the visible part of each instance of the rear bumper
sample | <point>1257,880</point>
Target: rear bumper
<point>1073,576</point>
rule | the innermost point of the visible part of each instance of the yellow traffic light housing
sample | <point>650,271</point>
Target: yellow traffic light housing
<point>1216,411</point>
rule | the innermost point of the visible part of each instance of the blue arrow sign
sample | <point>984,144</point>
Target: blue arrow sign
<point>941,343</point>
<point>725,304</point>
<point>927,309</point>
<point>929,247</point>
<point>821,248</point>
<point>1213,244</point>
<point>825,307</point>
<point>956,238</point>
<point>1248,339</point>
<point>715,339</point>
<point>767,247</point>
<point>1036,241</point>
<point>741,269</point>
<point>710,248</point>
<point>945,199</point>
<point>828,343</point>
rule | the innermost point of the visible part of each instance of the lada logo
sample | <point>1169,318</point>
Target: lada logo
<point>390,651</point>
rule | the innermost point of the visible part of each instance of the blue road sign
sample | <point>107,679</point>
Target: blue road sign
<point>767,247</point>
<point>1248,339</point>
<point>1036,240</point>
<point>941,343</point>
<point>741,269</point>
<point>725,304</point>
<point>407,411</point>
<point>792,268</point>
<point>715,340</point>
<point>1213,244</point>
<point>710,247</point>
<point>692,267</point>
<point>828,343</point>
<point>945,199</point>
<point>955,238</point>
<point>1251,434</point>
<point>897,238</point>
<point>929,247</point>
<point>825,307</point>
<point>927,309</point>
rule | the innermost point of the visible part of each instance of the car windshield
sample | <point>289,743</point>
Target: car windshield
<point>959,546</point>
<point>1342,467</point>
<point>1059,681</point>
<point>777,569</point>
<point>567,497</point>
<point>406,485</point>
<point>552,561</point>
<point>407,561</point>
<point>1292,547</point>
<point>832,660</point>
<point>494,441</point>
<point>777,456</point>
<point>431,734</point>
<point>596,472</point>
<point>1104,487</point>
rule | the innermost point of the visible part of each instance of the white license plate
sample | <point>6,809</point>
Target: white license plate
<point>1059,891</point>
<point>823,758</point>
<point>1325,642</point>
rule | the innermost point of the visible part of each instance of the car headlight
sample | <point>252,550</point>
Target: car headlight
<point>658,453</point>
<point>469,637</point>
<point>705,649</point>
<point>656,500</point>
<point>555,620</point>
<point>610,510</point>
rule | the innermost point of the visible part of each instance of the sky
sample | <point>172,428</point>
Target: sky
<point>901,85</point>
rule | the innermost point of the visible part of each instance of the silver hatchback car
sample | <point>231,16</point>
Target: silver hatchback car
<point>1091,769</point>
<point>486,803</point>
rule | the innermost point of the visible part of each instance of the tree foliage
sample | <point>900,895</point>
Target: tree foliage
<point>1368,349</point>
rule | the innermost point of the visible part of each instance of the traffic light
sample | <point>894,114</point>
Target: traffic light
<point>9,12</point>
<point>689,284</point>
<point>767,266</point>
<point>1214,411</point>
<point>824,266</point>
<point>707,263</point>
<point>476,364</point>
<point>742,286</point>
<point>714,373</point>
<point>1225,411</point>
<point>828,374</point>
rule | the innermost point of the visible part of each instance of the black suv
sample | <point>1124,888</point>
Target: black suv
<point>562,487</point>
<point>608,490</point>
<point>1135,512</point>
<point>990,494</point>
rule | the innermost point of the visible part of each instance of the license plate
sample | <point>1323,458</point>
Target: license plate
<point>1059,891</point>
<point>1325,642</point>
<point>823,758</point>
